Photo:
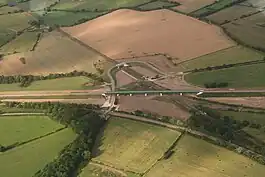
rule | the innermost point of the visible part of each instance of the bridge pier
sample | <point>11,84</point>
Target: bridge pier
<point>161,94</point>
<point>145,94</point>
<point>130,94</point>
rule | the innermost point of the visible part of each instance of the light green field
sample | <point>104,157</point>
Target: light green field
<point>231,55</point>
<point>132,145</point>
<point>157,5</point>
<point>218,5</point>
<point>236,77</point>
<point>63,18</point>
<point>3,2</point>
<point>97,5</point>
<point>259,134</point>
<point>26,160</point>
<point>36,5</point>
<point>17,129</point>
<point>22,43</point>
<point>197,158</point>
<point>96,170</point>
<point>67,83</point>
<point>7,9</point>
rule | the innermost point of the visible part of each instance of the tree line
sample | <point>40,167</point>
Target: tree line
<point>85,120</point>
<point>26,80</point>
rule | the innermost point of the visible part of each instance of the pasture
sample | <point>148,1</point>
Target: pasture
<point>237,77</point>
<point>27,159</point>
<point>157,5</point>
<point>259,134</point>
<point>212,8</point>
<point>67,83</point>
<point>98,5</point>
<point>196,157</point>
<point>3,2</point>
<point>231,55</point>
<point>149,33</point>
<point>188,6</point>
<point>36,5</point>
<point>7,9</point>
<point>249,31</point>
<point>231,14</point>
<point>18,129</point>
<point>131,145</point>
<point>64,18</point>
<point>22,43</point>
<point>54,54</point>
<point>96,170</point>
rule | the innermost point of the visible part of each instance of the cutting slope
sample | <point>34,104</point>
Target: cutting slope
<point>128,33</point>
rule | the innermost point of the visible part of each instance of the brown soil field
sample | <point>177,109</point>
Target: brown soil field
<point>258,102</point>
<point>129,33</point>
<point>249,30</point>
<point>231,13</point>
<point>142,103</point>
<point>123,79</point>
<point>55,53</point>
<point>188,6</point>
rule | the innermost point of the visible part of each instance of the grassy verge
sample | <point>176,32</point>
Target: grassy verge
<point>29,158</point>
<point>196,157</point>
<point>133,146</point>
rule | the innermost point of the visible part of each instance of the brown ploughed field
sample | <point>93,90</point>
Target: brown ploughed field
<point>188,6</point>
<point>134,103</point>
<point>129,33</point>
<point>55,53</point>
<point>123,79</point>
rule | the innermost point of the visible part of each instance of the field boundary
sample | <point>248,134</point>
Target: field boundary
<point>17,144</point>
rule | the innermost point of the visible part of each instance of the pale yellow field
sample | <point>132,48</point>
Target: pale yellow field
<point>197,158</point>
<point>188,6</point>
<point>54,53</point>
<point>127,33</point>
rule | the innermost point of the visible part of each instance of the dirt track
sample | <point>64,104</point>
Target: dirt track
<point>128,33</point>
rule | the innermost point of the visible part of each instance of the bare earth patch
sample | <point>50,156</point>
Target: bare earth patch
<point>134,103</point>
<point>129,33</point>
<point>123,79</point>
<point>188,6</point>
<point>144,71</point>
<point>258,102</point>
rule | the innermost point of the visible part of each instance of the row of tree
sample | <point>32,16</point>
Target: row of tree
<point>85,120</point>
<point>26,80</point>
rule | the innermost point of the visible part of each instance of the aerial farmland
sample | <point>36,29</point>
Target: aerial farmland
<point>132,88</point>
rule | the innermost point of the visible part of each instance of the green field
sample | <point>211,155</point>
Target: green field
<point>97,5</point>
<point>26,160</point>
<point>231,55</point>
<point>63,18</point>
<point>196,157</point>
<point>259,134</point>
<point>157,5</point>
<point>17,129</point>
<point>236,77</point>
<point>218,5</point>
<point>7,9</point>
<point>22,43</point>
<point>67,83</point>
<point>36,5</point>
<point>96,170</point>
<point>3,2</point>
<point>131,145</point>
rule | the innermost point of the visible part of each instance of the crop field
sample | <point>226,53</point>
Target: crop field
<point>53,54</point>
<point>147,33</point>
<point>64,18</point>
<point>196,157</point>
<point>249,30</point>
<point>132,145</point>
<point>68,83</point>
<point>96,170</point>
<point>254,77</point>
<point>232,13</point>
<point>188,6</point>
<point>22,43</point>
<point>27,159</point>
<point>254,3</point>
<point>130,104</point>
<point>218,5</point>
<point>97,5</point>
<point>18,129</point>
<point>157,5</point>
<point>231,55</point>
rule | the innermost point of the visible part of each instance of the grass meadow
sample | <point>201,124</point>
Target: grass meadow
<point>133,146</point>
